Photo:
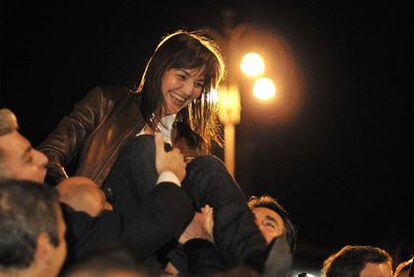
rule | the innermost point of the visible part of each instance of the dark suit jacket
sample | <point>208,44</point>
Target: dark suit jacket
<point>161,217</point>
<point>203,258</point>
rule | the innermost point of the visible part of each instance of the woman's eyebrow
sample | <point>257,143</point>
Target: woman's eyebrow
<point>184,71</point>
<point>201,79</point>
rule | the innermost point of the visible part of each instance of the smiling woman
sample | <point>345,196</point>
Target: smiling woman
<point>183,71</point>
<point>172,98</point>
<point>180,87</point>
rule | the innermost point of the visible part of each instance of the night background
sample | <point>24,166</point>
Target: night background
<point>341,162</point>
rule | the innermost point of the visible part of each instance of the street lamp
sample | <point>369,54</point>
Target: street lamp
<point>264,88</point>
<point>253,65</point>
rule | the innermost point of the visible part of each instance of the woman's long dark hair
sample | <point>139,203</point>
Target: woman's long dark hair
<point>197,123</point>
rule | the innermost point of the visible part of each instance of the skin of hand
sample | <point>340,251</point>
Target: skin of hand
<point>188,152</point>
<point>201,227</point>
<point>208,221</point>
<point>82,194</point>
<point>169,161</point>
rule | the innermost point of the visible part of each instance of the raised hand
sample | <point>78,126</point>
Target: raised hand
<point>82,194</point>
<point>201,227</point>
<point>208,222</point>
<point>169,161</point>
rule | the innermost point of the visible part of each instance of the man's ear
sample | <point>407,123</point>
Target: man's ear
<point>43,250</point>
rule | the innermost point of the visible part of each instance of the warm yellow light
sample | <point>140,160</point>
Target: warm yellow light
<point>213,96</point>
<point>252,64</point>
<point>229,105</point>
<point>264,89</point>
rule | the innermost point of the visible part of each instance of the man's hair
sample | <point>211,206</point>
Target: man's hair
<point>266,201</point>
<point>350,260</point>
<point>188,50</point>
<point>27,209</point>
<point>8,124</point>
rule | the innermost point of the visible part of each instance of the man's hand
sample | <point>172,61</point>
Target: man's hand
<point>82,194</point>
<point>201,227</point>
<point>208,221</point>
<point>168,161</point>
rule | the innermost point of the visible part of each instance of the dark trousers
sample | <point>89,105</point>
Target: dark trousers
<point>207,182</point>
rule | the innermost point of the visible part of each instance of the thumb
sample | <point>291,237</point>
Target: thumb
<point>159,144</point>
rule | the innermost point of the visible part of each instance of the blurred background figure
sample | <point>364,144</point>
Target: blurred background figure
<point>110,262</point>
<point>362,261</point>
<point>32,230</point>
<point>405,269</point>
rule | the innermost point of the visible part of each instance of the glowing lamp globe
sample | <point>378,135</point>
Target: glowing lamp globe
<point>252,64</point>
<point>264,89</point>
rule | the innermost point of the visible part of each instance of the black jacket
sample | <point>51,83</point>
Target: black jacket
<point>161,217</point>
<point>97,128</point>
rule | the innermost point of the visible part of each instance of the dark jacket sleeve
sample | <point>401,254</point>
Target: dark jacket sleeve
<point>67,139</point>
<point>161,217</point>
<point>203,257</point>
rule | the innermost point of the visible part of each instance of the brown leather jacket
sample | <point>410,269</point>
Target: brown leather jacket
<point>100,124</point>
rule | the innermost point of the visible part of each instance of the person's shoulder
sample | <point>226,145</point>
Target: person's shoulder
<point>109,94</point>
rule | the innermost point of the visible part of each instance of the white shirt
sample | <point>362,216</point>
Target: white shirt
<point>165,126</point>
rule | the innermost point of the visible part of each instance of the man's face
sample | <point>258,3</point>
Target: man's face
<point>58,254</point>
<point>376,270</point>
<point>269,223</point>
<point>21,160</point>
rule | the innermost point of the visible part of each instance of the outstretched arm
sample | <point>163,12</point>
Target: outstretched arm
<point>163,215</point>
<point>67,139</point>
<point>201,227</point>
<point>203,256</point>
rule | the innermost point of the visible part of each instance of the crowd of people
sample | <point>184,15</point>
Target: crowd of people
<point>147,197</point>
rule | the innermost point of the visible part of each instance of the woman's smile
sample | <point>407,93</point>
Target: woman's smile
<point>180,87</point>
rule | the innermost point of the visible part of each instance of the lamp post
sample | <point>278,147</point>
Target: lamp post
<point>229,96</point>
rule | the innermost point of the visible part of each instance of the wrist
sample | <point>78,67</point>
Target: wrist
<point>168,176</point>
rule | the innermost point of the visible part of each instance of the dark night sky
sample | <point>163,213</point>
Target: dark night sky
<point>342,166</point>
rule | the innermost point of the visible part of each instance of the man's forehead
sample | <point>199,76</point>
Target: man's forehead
<point>264,211</point>
<point>14,143</point>
<point>269,213</point>
<point>376,270</point>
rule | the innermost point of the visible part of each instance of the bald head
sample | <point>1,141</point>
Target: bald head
<point>8,122</point>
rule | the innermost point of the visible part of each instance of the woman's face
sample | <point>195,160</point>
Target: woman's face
<point>180,87</point>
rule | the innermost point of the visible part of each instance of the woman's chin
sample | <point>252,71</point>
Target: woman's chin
<point>167,110</point>
<point>172,110</point>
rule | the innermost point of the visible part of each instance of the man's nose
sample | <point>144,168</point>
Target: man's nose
<point>41,158</point>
